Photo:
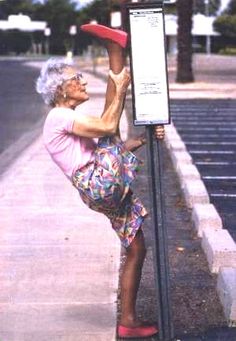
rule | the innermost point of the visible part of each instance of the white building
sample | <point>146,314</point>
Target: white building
<point>202,26</point>
<point>23,23</point>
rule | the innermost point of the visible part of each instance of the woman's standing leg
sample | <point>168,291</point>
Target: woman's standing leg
<point>130,280</point>
<point>130,325</point>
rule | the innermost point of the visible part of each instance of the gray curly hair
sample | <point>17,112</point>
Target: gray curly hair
<point>51,77</point>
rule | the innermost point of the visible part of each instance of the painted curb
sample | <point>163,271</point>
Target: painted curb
<point>220,249</point>
<point>226,286</point>
<point>206,220</point>
<point>195,193</point>
<point>205,216</point>
<point>187,172</point>
<point>180,157</point>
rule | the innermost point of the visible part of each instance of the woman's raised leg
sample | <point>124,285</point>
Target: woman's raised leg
<point>116,65</point>
<point>115,41</point>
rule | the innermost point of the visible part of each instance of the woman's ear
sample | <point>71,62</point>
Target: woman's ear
<point>59,94</point>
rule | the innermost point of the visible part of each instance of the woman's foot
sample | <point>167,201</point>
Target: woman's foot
<point>134,143</point>
<point>104,32</point>
<point>139,331</point>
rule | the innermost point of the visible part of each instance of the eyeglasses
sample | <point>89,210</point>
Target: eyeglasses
<point>77,77</point>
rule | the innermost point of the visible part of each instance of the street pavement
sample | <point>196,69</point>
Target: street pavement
<point>60,261</point>
<point>21,109</point>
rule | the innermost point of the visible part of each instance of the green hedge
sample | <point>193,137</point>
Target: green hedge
<point>230,51</point>
<point>15,41</point>
<point>226,25</point>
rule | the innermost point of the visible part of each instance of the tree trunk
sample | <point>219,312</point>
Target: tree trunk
<point>184,39</point>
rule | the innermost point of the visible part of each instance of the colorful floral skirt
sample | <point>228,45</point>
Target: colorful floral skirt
<point>104,186</point>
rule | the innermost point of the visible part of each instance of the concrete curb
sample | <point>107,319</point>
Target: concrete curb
<point>218,245</point>
<point>195,192</point>
<point>226,286</point>
<point>205,216</point>
<point>220,249</point>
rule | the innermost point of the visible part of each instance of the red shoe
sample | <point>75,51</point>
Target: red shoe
<point>104,32</point>
<point>136,332</point>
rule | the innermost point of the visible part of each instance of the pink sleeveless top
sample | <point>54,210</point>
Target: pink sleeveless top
<point>68,151</point>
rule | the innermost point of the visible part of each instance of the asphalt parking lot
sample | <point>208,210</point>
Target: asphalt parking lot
<point>208,128</point>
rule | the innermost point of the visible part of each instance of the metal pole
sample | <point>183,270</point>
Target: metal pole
<point>161,264</point>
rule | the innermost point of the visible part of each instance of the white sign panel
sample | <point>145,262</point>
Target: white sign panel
<point>148,66</point>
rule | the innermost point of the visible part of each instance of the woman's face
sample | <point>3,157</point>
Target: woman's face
<point>75,86</point>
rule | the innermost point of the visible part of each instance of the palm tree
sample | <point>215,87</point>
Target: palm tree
<point>184,38</point>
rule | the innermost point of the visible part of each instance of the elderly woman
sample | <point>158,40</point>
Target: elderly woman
<point>101,169</point>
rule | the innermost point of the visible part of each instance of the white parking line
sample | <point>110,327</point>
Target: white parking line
<point>216,177</point>
<point>214,163</point>
<point>208,129</point>
<point>211,152</point>
<point>222,136</point>
<point>201,109</point>
<point>221,195</point>
<point>208,123</point>
<point>202,115</point>
<point>179,118</point>
<point>195,143</point>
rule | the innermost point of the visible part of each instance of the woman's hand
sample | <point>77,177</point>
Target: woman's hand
<point>159,132</point>
<point>121,80</point>
<point>134,143</point>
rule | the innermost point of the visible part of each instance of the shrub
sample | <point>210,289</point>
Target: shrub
<point>226,25</point>
<point>230,51</point>
<point>14,41</point>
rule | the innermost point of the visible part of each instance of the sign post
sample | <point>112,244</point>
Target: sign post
<point>151,107</point>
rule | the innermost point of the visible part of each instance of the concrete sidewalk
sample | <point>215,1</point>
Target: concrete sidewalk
<point>59,260</point>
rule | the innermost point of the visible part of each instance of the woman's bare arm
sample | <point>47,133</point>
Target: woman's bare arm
<point>89,126</point>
